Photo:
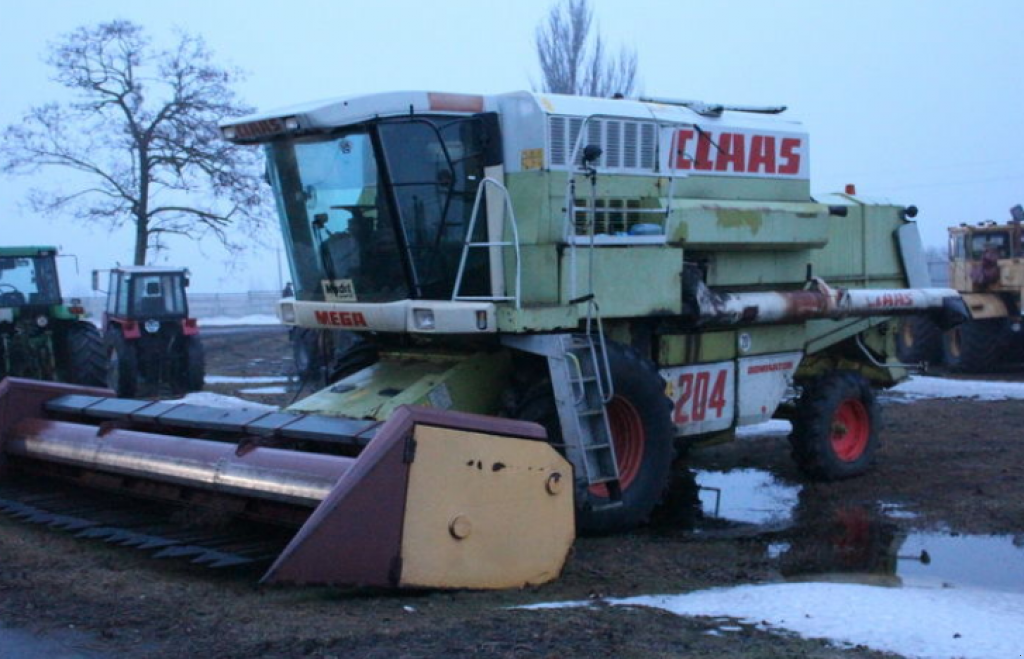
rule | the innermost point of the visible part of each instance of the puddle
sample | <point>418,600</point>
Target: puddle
<point>751,496</point>
<point>60,645</point>
<point>859,544</point>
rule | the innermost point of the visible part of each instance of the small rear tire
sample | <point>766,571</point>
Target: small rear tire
<point>835,432</point>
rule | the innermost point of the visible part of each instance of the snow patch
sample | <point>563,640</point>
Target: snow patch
<point>923,623</point>
<point>257,319</point>
<point>219,400</point>
<point>241,379</point>
<point>264,390</point>
<point>920,387</point>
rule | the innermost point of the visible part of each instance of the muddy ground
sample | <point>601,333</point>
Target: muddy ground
<point>955,464</point>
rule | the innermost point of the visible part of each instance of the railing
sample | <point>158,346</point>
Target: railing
<point>510,218</point>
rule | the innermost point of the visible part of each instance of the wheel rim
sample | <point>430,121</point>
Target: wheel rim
<point>851,427</point>
<point>908,335</point>
<point>954,342</point>
<point>629,439</point>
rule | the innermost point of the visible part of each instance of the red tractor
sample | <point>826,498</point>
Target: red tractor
<point>149,336</point>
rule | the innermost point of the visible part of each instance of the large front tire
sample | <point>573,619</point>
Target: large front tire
<point>835,432</point>
<point>642,433</point>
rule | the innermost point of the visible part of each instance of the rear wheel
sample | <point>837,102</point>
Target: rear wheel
<point>835,432</point>
<point>84,361</point>
<point>642,434</point>
<point>122,366</point>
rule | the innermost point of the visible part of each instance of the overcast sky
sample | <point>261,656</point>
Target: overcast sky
<point>917,102</point>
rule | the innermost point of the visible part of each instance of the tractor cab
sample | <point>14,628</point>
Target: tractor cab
<point>987,256</point>
<point>28,280</point>
<point>150,338</point>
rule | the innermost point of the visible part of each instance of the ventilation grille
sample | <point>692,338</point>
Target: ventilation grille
<point>625,145</point>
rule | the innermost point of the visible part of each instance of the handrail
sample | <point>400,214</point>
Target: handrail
<point>510,217</point>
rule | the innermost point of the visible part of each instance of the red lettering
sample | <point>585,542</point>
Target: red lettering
<point>358,319</point>
<point>790,156</point>
<point>703,159</point>
<point>732,153</point>
<point>700,396</point>
<point>682,137</point>
<point>321,317</point>
<point>685,389</point>
<point>717,402</point>
<point>762,154</point>
<point>341,318</point>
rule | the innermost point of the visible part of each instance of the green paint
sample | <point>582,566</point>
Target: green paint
<point>740,219</point>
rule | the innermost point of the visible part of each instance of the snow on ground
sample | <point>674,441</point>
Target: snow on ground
<point>243,379</point>
<point>219,400</point>
<point>260,319</point>
<point>265,390</point>
<point>924,623</point>
<point>920,387</point>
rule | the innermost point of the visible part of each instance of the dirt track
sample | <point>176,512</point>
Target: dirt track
<point>953,463</point>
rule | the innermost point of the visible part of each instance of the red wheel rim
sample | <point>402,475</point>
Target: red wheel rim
<point>850,430</point>
<point>628,438</point>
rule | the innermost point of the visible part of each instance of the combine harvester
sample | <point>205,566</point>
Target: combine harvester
<point>636,276</point>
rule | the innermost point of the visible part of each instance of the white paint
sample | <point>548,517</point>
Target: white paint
<point>763,381</point>
<point>922,623</point>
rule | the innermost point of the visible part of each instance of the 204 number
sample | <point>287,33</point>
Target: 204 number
<point>698,395</point>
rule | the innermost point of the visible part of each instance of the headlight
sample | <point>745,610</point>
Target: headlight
<point>42,321</point>
<point>287,313</point>
<point>423,319</point>
<point>152,326</point>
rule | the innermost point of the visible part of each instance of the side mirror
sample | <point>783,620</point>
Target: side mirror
<point>95,280</point>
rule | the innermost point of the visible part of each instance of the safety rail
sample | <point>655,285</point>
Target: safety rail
<point>510,217</point>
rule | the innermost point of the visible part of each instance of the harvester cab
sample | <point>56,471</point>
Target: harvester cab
<point>150,338</point>
<point>40,337</point>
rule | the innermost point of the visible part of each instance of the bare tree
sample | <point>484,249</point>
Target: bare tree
<point>140,139</point>
<point>573,60</point>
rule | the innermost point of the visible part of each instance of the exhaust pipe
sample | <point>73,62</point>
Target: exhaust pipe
<point>436,499</point>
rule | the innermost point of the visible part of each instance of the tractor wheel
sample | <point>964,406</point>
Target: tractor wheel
<point>643,437</point>
<point>84,361</point>
<point>122,366</point>
<point>306,351</point>
<point>195,364</point>
<point>978,346</point>
<point>835,432</point>
<point>919,340</point>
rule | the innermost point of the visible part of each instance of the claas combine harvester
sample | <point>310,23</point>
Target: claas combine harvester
<point>633,276</point>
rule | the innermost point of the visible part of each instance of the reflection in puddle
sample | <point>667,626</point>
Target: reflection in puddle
<point>860,544</point>
<point>752,496</point>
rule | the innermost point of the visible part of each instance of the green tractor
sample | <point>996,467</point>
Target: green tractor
<point>40,337</point>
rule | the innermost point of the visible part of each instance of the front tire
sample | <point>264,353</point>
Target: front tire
<point>122,366</point>
<point>919,340</point>
<point>835,432</point>
<point>643,435</point>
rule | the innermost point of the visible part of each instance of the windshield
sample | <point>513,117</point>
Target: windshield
<point>995,242</point>
<point>380,213</point>
<point>157,295</point>
<point>28,281</point>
